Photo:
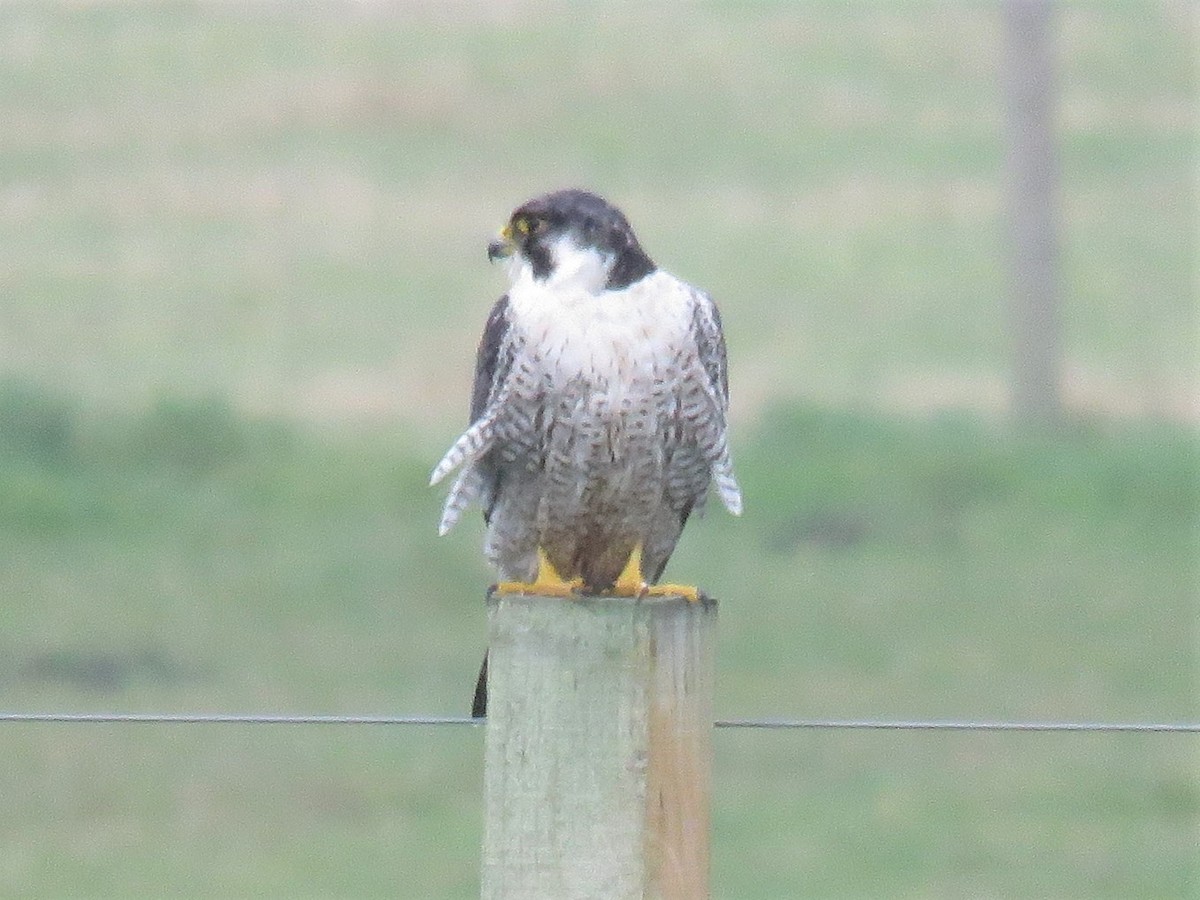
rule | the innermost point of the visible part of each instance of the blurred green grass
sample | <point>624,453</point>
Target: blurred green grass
<point>289,206</point>
<point>191,558</point>
<point>242,280</point>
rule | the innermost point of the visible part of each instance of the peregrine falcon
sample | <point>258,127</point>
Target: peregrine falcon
<point>598,414</point>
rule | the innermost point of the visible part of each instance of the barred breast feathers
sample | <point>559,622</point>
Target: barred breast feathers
<point>616,340</point>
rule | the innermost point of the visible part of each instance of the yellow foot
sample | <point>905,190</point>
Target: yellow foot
<point>548,582</point>
<point>630,583</point>
<point>688,592</point>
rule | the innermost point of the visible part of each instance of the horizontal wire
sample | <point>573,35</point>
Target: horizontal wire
<point>235,719</point>
<point>939,725</point>
<point>859,724</point>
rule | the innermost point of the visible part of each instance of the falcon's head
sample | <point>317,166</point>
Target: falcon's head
<point>574,237</point>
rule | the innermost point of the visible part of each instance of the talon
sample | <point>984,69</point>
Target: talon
<point>547,583</point>
<point>688,592</point>
<point>630,582</point>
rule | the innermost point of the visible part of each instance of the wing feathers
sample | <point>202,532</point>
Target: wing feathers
<point>492,359</point>
<point>727,486</point>
<point>710,344</point>
<point>467,489</point>
<point>492,362</point>
<point>473,443</point>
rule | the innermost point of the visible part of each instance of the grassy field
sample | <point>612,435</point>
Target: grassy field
<point>289,207</point>
<point>242,279</point>
<point>190,559</point>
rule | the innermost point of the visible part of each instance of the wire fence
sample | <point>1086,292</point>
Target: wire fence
<point>772,723</point>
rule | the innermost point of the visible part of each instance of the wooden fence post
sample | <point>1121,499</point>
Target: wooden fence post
<point>598,751</point>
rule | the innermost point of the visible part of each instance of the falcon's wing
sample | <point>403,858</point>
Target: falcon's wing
<point>490,368</point>
<point>697,451</point>
<point>710,343</point>
<point>477,481</point>
<point>710,339</point>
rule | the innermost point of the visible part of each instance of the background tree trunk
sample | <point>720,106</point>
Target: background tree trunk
<point>1032,195</point>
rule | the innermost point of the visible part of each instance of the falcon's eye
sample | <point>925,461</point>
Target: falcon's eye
<point>527,225</point>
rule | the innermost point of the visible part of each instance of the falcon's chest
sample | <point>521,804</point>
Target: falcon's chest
<point>609,341</point>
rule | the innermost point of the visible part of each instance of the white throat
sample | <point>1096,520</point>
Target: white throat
<point>576,269</point>
<point>610,337</point>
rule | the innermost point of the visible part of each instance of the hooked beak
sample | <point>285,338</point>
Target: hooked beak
<point>503,247</point>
